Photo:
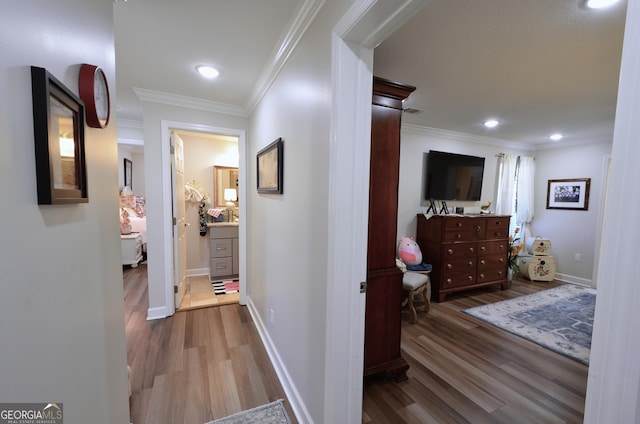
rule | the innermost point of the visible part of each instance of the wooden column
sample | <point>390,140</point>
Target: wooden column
<point>384,279</point>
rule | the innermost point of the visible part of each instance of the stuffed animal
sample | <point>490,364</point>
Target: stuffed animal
<point>409,251</point>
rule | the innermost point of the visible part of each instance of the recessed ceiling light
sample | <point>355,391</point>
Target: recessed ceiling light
<point>599,4</point>
<point>491,123</point>
<point>555,137</point>
<point>207,71</point>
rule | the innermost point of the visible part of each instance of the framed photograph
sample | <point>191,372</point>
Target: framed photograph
<point>568,194</point>
<point>269,165</point>
<point>128,172</point>
<point>58,129</point>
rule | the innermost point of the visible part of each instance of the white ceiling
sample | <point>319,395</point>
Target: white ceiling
<point>538,66</point>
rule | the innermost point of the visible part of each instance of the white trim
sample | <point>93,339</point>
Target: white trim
<point>130,123</point>
<point>467,138</point>
<point>573,279</point>
<point>130,141</point>
<point>166,127</point>
<point>364,25</point>
<point>293,395</point>
<point>158,313</point>
<point>195,272</point>
<point>295,29</point>
<point>188,102</point>
<point>604,178</point>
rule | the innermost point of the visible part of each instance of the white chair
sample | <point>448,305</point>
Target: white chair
<point>417,285</point>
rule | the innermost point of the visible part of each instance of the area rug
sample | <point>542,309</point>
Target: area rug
<point>225,287</point>
<point>560,319</point>
<point>271,413</point>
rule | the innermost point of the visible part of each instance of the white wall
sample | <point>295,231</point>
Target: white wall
<point>571,231</point>
<point>61,309</point>
<point>159,215</point>
<point>200,156</point>
<point>415,143</point>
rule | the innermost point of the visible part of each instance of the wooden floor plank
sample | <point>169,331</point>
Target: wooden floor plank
<point>195,366</point>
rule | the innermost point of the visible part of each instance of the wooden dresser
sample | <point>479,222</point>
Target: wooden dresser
<point>384,279</point>
<point>466,251</point>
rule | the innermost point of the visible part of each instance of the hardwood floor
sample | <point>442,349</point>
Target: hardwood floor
<point>465,371</point>
<point>195,366</point>
<point>198,294</point>
<point>204,364</point>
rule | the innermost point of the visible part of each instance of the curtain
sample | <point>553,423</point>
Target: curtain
<point>506,184</point>
<point>524,208</point>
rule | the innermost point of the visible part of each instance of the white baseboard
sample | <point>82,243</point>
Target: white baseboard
<point>573,280</point>
<point>293,396</point>
<point>157,313</point>
<point>197,271</point>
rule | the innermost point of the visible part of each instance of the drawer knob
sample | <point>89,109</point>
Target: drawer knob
<point>483,248</point>
<point>471,249</point>
<point>482,262</point>
<point>497,233</point>
<point>478,229</point>
<point>459,224</point>
<point>481,275</point>
<point>458,235</point>
<point>450,251</point>
<point>500,272</point>
<point>501,247</point>
<point>449,281</point>
<point>471,263</point>
<point>470,277</point>
<point>501,260</point>
<point>449,266</point>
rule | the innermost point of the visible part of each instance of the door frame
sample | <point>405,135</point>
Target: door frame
<point>167,198</point>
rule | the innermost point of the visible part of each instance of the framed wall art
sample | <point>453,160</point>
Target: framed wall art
<point>568,194</point>
<point>269,166</point>
<point>58,129</point>
<point>128,173</point>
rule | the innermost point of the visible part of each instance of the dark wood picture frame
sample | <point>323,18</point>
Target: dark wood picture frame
<point>128,173</point>
<point>58,129</point>
<point>270,168</point>
<point>571,194</point>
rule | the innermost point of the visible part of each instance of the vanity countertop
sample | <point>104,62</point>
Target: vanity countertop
<point>222,224</point>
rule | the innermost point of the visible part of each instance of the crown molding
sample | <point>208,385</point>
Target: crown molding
<point>295,29</point>
<point>129,123</point>
<point>188,102</point>
<point>467,138</point>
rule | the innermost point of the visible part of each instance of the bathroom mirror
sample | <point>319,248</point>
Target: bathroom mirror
<point>224,177</point>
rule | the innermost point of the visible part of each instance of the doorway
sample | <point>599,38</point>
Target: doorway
<point>211,164</point>
<point>167,195</point>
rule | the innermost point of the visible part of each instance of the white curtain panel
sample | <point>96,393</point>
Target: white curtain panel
<point>524,213</point>
<point>506,184</point>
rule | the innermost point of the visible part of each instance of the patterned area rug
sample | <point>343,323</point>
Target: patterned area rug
<point>272,413</point>
<point>560,319</point>
<point>225,287</point>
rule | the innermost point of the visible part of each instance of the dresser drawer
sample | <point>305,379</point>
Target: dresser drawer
<point>492,275</point>
<point>221,248</point>
<point>458,280</point>
<point>492,261</point>
<point>458,266</point>
<point>497,228</point>
<point>493,247</point>
<point>230,231</point>
<point>457,235</point>
<point>459,250</point>
<point>221,266</point>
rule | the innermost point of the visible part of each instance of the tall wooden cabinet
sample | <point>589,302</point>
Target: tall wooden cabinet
<point>466,251</point>
<point>384,279</point>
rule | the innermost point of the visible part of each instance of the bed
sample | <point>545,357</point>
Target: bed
<point>136,208</point>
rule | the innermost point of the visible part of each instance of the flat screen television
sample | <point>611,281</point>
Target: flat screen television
<point>452,176</point>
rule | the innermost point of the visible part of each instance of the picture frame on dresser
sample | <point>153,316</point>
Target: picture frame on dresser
<point>270,168</point>
<point>572,194</point>
<point>58,129</point>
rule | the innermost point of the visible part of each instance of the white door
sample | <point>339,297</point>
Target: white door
<point>179,220</point>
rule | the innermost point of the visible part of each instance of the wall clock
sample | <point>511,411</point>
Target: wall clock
<point>94,92</point>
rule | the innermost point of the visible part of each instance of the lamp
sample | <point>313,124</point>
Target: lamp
<point>230,195</point>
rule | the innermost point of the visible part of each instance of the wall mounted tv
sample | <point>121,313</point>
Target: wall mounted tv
<point>451,176</point>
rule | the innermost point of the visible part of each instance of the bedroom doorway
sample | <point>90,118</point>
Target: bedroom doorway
<point>204,147</point>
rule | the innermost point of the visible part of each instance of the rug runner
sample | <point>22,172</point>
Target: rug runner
<point>225,286</point>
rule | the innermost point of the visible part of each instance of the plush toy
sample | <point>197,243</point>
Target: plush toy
<point>409,251</point>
